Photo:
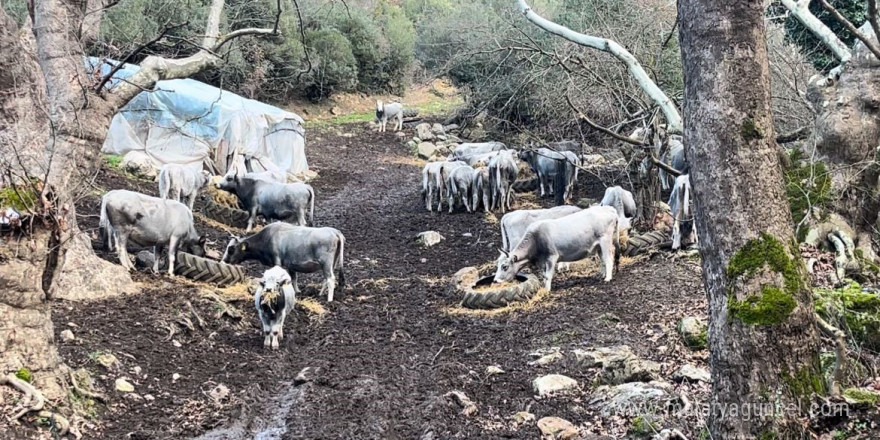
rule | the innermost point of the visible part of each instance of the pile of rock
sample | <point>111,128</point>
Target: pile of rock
<point>434,141</point>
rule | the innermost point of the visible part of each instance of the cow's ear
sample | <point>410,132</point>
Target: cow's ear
<point>203,239</point>
<point>243,246</point>
<point>514,259</point>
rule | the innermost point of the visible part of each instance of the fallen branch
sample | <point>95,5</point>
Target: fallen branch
<point>33,398</point>
<point>872,46</point>
<point>839,353</point>
<point>799,134</point>
<point>199,319</point>
<point>84,392</point>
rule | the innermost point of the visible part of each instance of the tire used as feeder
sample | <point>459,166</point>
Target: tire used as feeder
<point>525,185</point>
<point>208,271</point>
<point>236,218</point>
<point>475,295</point>
<point>640,244</point>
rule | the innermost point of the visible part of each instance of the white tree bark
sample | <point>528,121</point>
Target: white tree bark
<point>801,10</point>
<point>670,112</point>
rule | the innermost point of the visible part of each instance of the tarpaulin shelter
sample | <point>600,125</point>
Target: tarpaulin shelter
<point>185,121</point>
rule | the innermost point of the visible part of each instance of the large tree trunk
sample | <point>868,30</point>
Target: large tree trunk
<point>762,335</point>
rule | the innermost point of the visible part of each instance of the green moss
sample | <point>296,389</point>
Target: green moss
<point>642,425</point>
<point>22,198</point>
<point>113,160</point>
<point>859,395</point>
<point>806,381</point>
<point>704,434</point>
<point>768,435</point>
<point>775,304</point>
<point>853,311</point>
<point>750,130</point>
<point>25,375</point>
<point>807,186</point>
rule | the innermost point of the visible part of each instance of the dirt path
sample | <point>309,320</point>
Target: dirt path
<point>389,348</point>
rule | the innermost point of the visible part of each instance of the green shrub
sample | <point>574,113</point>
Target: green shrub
<point>807,185</point>
<point>25,375</point>
<point>853,311</point>
<point>334,67</point>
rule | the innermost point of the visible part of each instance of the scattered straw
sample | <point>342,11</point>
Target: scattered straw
<point>215,224</point>
<point>401,160</point>
<point>312,306</point>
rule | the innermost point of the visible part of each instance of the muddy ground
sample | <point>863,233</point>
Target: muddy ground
<point>391,345</point>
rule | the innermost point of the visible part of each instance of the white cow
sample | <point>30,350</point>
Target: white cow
<point>566,239</point>
<point>384,112</point>
<point>682,218</point>
<point>459,184</point>
<point>181,181</point>
<point>274,299</point>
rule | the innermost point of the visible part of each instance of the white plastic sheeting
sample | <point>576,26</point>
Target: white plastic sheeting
<point>185,121</point>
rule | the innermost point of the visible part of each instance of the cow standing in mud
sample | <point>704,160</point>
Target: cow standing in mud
<point>181,181</point>
<point>682,218</point>
<point>298,249</point>
<point>543,163</point>
<point>503,170</point>
<point>566,239</point>
<point>128,216</point>
<point>274,299</point>
<point>275,201</point>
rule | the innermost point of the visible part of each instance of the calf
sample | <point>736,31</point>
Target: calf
<point>181,180</point>
<point>682,219</point>
<point>299,249</point>
<point>148,221</point>
<point>275,201</point>
<point>445,169</point>
<point>430,177</point>
<point>469,149</point>
<point>565,239</point>
<point>515,223</point>
<point>502,173</point>
<point>544,161</point>
<point>274,299</point>
<point>384,112</point>
<point>459,184</point>
<point>482,189</point>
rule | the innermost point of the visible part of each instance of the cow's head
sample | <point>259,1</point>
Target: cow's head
<point>508,266</point>
<point>206,177</point>
<point>235,251</point>
<point>195,247</point>
<point>229,183</point>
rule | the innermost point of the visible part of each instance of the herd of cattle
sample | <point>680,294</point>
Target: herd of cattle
<point>475,176</point>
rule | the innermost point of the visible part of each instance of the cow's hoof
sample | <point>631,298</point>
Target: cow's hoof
<point>482,293</point>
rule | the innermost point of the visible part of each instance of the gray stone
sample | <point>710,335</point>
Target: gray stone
<point>553,383</point>
<point>423,131</point>
<point>585,203</point>
<point>547,359</point>
<point>468,407</point>
<point>494,369</point>
<point>556,428</point>
<point>618,364</point>
<point>522,417</point>
<point>691,373</point>
<point>412,145</point>
<point>650,397</point>
<point>67,335</point>
<point>693,332</point>
<point>429,238</point>
<point>107,361</point>
<point>219,393</point>
<point>307,374</point>
<point>144,259</point>
<point>124,386</point>
<point>450,127</point>
<point>139,164</point>
<point>426,150</point>
<point>593,160</point>
<point>437,129</point>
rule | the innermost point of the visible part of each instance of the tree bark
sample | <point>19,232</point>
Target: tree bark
<point>762,334</point>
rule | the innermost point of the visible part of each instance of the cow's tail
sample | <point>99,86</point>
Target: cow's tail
<point>164,183</point>
<point>311,206</point>
<point>616,243</point>
<point>338,259</point>
<point>104,228</point>
<point>504,244</point>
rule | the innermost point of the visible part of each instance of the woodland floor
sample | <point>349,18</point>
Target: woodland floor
<point>391,345</point>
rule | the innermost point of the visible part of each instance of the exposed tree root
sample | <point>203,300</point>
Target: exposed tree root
<point>670,434</point>
<point>86,393</point>
<point>839,353</point>
<point>34,402</point>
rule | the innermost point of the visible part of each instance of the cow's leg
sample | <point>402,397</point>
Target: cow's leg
<point>486,206</point>
<point>157,250</point>
<point>122,250</point>
<point>172,250</point>
<point>606,247</point>
<point>676,234</point>
<point>549,271</point>
<point>191,200</point>
<point>329,281</point>
<point>295,278</point>
<point>251,219</point>
<point>429,199</point>
<point>466,199</point>
<point>451,200</point>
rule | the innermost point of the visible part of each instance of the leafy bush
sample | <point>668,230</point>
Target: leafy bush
<point>334,67</point>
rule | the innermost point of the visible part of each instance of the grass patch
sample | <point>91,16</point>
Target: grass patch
<point>113,160</point>
<point>350,118</point>
<point>440,106</point>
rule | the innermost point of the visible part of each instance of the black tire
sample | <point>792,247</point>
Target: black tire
<point>410,112</point>
<point>525,185</point>
<point>493,299</point>
<point>226,215</point>
<point>640,244</point>
<point>208,271</point>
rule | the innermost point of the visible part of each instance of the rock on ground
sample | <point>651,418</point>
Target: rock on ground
<point>67,335</point>
<point>426,150</point>
<point>124,386</point>
<point>553,383</point>
<point>468,407</point>
<point>139,164</point>
<point>557,428</point>
<point>691,373</point>
<point>647,397</point>
<point>430,238</point>
<point>107,361</point>
<point>618,365</point>
<point>693,332</point>
<point>423,131</point>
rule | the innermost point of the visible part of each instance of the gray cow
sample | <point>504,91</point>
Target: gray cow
<point>298,249</point>
<point>621,200</point>
<point>566,239</point>
<point>464,150</point>
<point>384,112</point>
<point>274,299</point>
<point>128,216</point>
<point>443,171</point>
<point>675,158</point>
<point>430,174</point>
<point>482,189</point>
<point>478,159</point>
<point>682,218</point>
<point>181,181</point>
<point>515,223</point>
<point>502,174</point>
<point>543,162</point>
<point>275,201</point>
<point>459,184</point>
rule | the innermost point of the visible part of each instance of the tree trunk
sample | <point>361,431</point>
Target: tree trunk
<point>762,336</point>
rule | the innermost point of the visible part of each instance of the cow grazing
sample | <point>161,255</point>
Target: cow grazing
<point>298,249</point>
<point>274,299</point>
<point>502,174</point>
<point>128,216</point>
<point>544,161</point>
<point>181,181</point>
<point>621,200</point>
<point>459,184</point>
<point>467,149</point>
<point>384,112</point>
<point>482,189</point>
<point>275,201</point>
<point>565,239</point>
<point>682,218</point>
<point>445,169</point>
<point>515,223</point>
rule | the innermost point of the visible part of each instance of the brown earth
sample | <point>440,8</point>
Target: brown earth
<point>392,344</point>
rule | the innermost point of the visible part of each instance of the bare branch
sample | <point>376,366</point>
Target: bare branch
<point>872,46</point>
<point>800,9</point>
<point>133,53</point>
<point>800,133</point>
<point>601,129</point>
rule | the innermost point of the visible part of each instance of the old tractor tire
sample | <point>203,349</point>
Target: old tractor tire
<point>466,280</point>
<point>525,185</point>
<point>640,244</point>
<point>208,271</point>
<point>226,215</point>
<point>410,112</point>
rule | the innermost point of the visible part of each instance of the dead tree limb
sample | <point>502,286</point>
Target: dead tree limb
<point>872,46</point>
<point>670,112</point>
<point>799,134</point>
<point>839,353</point>
<point>133,53</point>
<point>33,398</point>
<point>801,10</point>
<point>582,116</point>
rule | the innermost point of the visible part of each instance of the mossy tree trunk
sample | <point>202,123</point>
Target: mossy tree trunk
<point>762,335</point>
